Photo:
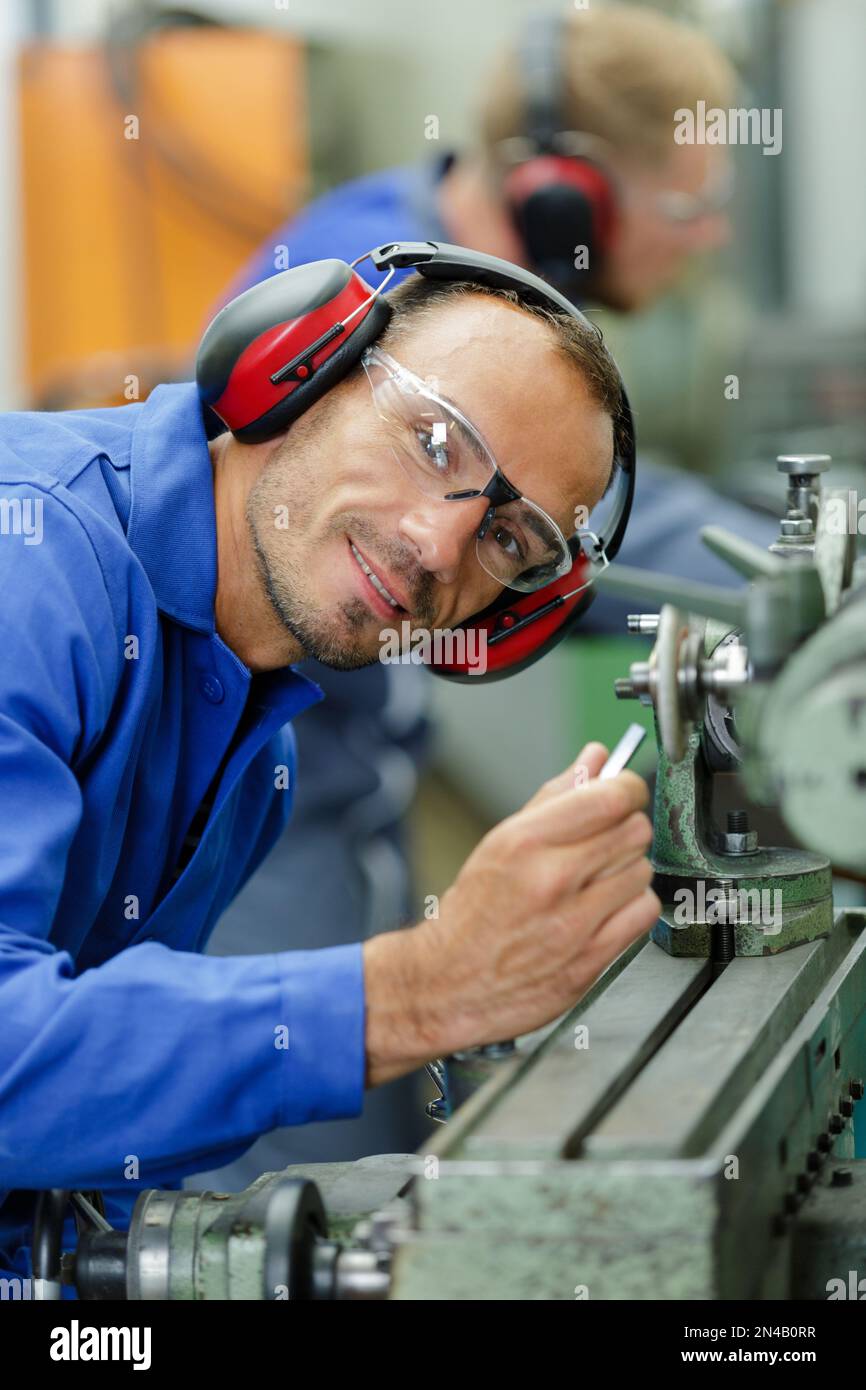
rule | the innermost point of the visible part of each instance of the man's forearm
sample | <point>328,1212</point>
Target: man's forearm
<point>400,1034</point>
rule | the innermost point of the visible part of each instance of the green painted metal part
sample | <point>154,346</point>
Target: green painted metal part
<point>670,1158</point>
<point>777,897</point>
<point>216,1249</point>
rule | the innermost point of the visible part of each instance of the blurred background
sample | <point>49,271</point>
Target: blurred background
<point>147,153</point>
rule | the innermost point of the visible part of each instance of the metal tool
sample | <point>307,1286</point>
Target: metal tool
<point>624,751</point>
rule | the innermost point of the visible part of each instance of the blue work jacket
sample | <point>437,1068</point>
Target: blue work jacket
<point>127,1058</point>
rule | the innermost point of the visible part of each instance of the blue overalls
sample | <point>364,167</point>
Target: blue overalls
<point>128,1058</point>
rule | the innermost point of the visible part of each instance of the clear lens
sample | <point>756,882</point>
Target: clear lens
<point>522,548</point>
<point>437,448</point>
<point>442,453</point>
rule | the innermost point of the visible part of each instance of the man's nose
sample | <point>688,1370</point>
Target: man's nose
<point>440,532</point>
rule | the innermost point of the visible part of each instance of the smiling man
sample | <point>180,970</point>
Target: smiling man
<point>329,555</point>
<point>146,758</point>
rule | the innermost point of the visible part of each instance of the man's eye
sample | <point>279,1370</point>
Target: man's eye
<point>433,447</point>
<point>508,541</point>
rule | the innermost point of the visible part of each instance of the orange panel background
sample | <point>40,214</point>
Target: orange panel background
<point>127,243</point>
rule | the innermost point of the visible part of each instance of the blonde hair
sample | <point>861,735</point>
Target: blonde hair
<point>624,71</point>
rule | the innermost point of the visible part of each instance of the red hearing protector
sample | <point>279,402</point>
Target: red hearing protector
<point>559,194</point>
<point>279,346</point>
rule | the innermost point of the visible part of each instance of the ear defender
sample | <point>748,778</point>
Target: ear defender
<point>560,204</point>
<point>559,194</point>
<point>517,629</point>
<point>279,346</point>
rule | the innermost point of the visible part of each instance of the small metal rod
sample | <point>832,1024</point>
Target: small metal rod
<point>95,1217</point>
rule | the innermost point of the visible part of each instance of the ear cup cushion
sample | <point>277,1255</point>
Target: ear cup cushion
<point>334,370</point>
<point>552,223</point>
<point>558,204</point>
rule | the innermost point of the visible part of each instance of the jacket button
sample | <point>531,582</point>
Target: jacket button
<point>212,689</point>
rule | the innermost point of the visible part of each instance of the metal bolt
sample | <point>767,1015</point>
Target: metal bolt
<point>856,1088</point>
<point>847,1108</point>
<point>637,685</point>
<point>795,524</point>
<point>792,1202</point>
<point>737,838</point>
<point>825,1143</point>
<point>723,942</point>
<point>836,1125</point>
<point>804,485</point>
<point>644,623</point>
<point>813,1160</point>
<point>804,1182</point>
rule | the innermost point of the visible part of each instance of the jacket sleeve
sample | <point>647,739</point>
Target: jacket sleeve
<point>157,1062</point>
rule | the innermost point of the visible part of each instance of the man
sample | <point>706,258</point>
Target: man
<point>152,610</point>
<point>614,76</point>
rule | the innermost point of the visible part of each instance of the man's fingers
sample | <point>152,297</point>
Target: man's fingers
<point>626,856</point>
<point>623,927</point>
<point>603,898</point>
<point>571,816</point>
<point>600,856</point>
<point>588,764</point>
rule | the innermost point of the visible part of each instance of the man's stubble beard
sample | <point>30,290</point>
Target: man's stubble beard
<point>288,480</point>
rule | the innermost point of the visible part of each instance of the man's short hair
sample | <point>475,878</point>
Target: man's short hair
<point>625,70</point>
<point>577,340</point>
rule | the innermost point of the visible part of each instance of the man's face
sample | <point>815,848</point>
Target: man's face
<point>650,250</point>
<point>332,484</point>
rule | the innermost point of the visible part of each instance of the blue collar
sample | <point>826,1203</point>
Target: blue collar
<point>172,519</point>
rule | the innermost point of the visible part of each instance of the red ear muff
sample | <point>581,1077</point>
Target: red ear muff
<point>558,204</point>
<point>559,194</point>
<point>516,629</point>
<point>279,346</point>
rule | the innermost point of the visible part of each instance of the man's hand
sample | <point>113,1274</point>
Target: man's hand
<point>545,902</point>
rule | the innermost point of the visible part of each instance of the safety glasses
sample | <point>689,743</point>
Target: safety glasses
<point>443,453</point>
<point>677,206</point>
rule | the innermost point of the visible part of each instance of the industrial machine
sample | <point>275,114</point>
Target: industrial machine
<point>687,1131</point>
